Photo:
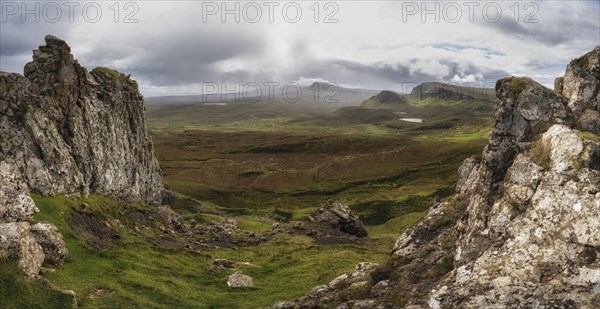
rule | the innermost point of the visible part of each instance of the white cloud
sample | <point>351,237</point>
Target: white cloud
<point>171,50</point>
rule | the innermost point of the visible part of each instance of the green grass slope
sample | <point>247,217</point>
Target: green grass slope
<point>17,291</point>
<point>138,273</point>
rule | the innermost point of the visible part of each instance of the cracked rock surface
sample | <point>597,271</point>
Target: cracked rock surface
<point>68,130</point>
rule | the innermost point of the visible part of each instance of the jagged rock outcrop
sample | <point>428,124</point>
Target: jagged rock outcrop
<point>530,235</point>
<point>545,232</point>
<point>526,109</point>
<point>339,217</point>
<point>72,131</point>
<point>523,230</point>
<point>30,245</point>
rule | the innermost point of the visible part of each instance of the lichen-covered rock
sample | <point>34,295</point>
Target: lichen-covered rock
<point>467,174</point>
<point>239,280</point>
<point>68,130</point>
<point>17,243</point>
<point>53,245</point>
<point>581,83</point>
<point>550,255</point>
<point>339,217</point>
<point>530,235</point>
<point>15,202</point>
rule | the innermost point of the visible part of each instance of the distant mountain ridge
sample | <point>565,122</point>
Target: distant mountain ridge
<point>330,93</point>
<point>385,98</point>
<point>316,93</point>
<point>442,91</point>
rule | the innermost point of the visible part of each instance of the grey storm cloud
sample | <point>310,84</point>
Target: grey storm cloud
<point>344,71</point>
<point>572,27</point>
<point>169,50</point>
<point>18,40</point>
<point>183,58</point>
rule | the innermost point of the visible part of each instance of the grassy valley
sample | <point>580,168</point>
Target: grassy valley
<point>264,165</point>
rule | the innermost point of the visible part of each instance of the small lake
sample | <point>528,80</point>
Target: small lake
<point>417,120</point>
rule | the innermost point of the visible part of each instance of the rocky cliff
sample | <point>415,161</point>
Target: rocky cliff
<point>523,230</point>
<point>67,130</point>
<point>531,233</point>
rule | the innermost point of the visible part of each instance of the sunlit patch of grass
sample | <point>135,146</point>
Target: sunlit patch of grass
<point>254,224</point>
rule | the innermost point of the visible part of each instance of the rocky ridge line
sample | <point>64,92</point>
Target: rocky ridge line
<point>522,230</point>
<point>70,131</point>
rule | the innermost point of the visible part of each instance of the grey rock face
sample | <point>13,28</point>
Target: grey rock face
<point>68,130</point>
<point>531,236</point>
<point>581,84</point>
<point>15,203</point>
<point>547,239</point>
<point>590,121</point>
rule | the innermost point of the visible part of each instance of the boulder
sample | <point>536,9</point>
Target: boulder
<point>51,241</point>
<point>29,245</point>
<point>17,243</point>
<point>339,217</point>
<point>239,280</point>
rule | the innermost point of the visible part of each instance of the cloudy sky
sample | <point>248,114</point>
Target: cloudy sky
<point>173,47</point>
